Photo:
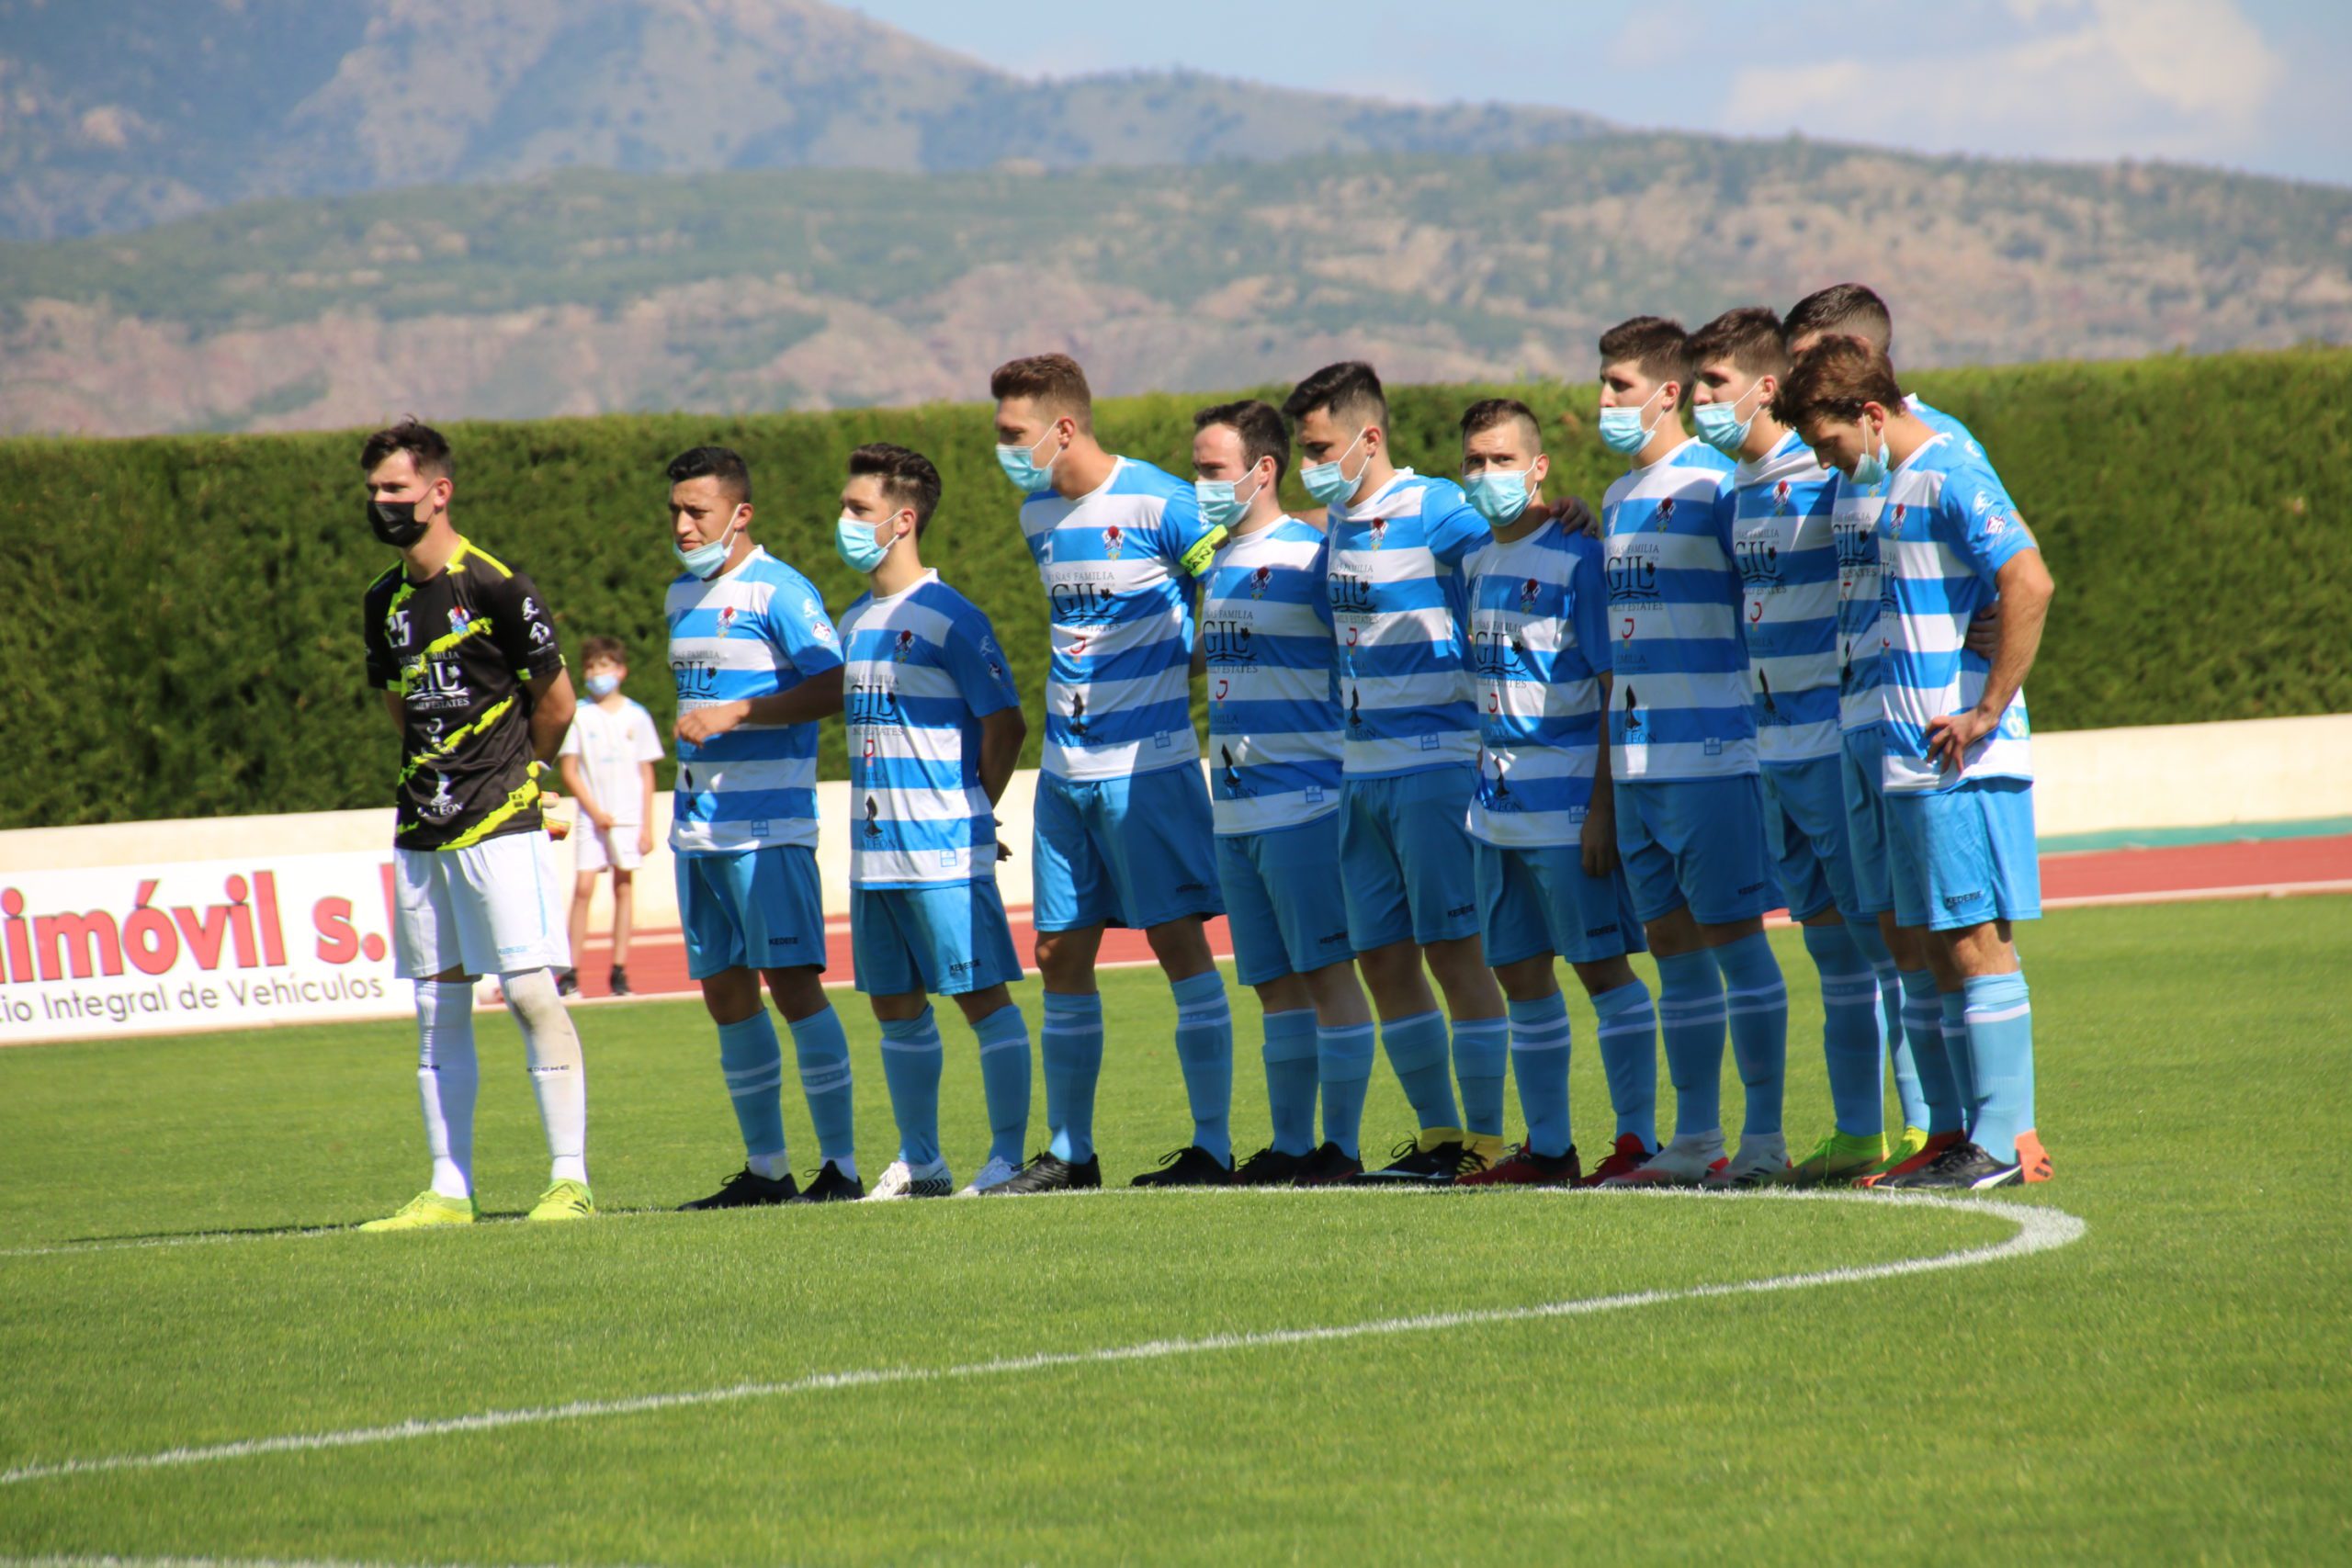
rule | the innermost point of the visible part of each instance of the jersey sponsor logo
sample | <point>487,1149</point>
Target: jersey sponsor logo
<point>1084,601</point>
<point>872,701</point>
<point>990,655</point>
<point>1759,563</point>
<point>530,608</point>
<point>696,678</point>
<point>873,818</point>
<point>1631,573</point>
<point>818,627</point>
<point>542,634</point>
<point>1350,594</point>
<point>441,805</point>
<point>437,684</point>
<point>1632,715</point>
<point>1498,652</point>
<point>1228,641</point>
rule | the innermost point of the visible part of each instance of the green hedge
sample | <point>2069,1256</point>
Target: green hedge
<point>179,615</point>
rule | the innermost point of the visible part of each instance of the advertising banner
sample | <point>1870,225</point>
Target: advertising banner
<point>176,945</point>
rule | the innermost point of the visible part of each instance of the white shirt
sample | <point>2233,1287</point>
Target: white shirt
<point>610,745</point>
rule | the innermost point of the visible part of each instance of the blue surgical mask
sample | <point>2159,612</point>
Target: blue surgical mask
<point>1622,429</point>
<point>1326,483</point>
<point>604,685</point>
<point>1870,469</point>
<point>1220,508</point>
<point>854,539</point>
<point>1719,425</point>
<point>1498,495</point>
<point>1019,465</point>
<point>704,560</point>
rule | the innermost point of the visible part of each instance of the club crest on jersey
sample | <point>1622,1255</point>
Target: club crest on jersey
<point>1781,499</point>
<point>1529,591</point>
<point>1113,541</point>
<point>1895,524</point>
<point>901,646</point>
<point>1260,581</point>
<point>1379,526</point>
<point>726,620</point>
<point>460,619</point>
<point>1665,514</point>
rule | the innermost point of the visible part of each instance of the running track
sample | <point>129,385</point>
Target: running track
<point>2254,868</point>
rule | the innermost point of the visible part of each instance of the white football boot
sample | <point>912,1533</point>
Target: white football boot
<point>1684,1162</point>
<point>902,1181</point>
<point>994,1173</point>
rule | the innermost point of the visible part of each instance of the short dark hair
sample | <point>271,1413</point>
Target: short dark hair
<point>1842,309</point>
<point>1348,390</point>
<point>1656,345</point>
<point>1749,337</point>
<point>1053,381</point>
<point>1492,411</point>
<point>1263,434</point>
<point>908,478</point>
<point>597,647</point>
<point>426,448</point>
<point>721,462</point>
<point>1835,379</point>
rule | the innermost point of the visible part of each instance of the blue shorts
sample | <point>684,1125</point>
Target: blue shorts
<point>1136,852</point>
<point>1963,856</point>
<point>761,909</point>
<point>1804,829</point>
<point>1539,900</point>
<point>944,940</point>
<point>1864,756</point>
<point>1405,857</point>
<point>1283,899</point>
<point>1695,842</point>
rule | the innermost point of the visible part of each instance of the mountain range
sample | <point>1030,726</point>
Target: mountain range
<point>359,207</point>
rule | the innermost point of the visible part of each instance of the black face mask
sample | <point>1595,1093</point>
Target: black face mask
<point>395,523</point>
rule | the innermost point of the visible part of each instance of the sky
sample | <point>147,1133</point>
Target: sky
<point>2254,85</point>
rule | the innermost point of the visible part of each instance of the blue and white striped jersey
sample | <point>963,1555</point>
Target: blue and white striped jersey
<point>1681,707</point>
<point>1117,564</point>
<point>1396,609</point>
<point>923,668</point>
<point>1788,574</point>
<point>1853,520</point>
<point>1539,645</point>
<point>1947,527</point>
<point>750,632</point>
<point>1273,699</point>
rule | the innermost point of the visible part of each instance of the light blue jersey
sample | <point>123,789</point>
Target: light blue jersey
<point>922,670</point>
<point>1396,610</point>
<point>1539,645</point>
<point>750,632</point>
<point>1788,572</point>
<point>1117,564</point>
<point>1853,521</point>
<point>1947,527</point>
<point>1680,707</point>
<point>1275,749</point>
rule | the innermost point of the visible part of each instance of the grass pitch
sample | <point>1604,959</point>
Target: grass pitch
<point>2173,1386</point>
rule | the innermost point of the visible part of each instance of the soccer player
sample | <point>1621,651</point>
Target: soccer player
<point>935,734</point>
<point>1398,542</point>
<point>1542,817</point>
<point>1265,648</point>
<point>1958,771</point>
<point>1919,1048</point>
<point>464,650</point>
<point>607,762</point>
<point>757,665</point>
<point>1682,737</point>
<point>1777,511</point>
<point>1124,831</point>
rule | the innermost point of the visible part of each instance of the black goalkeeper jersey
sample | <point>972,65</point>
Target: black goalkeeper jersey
<point>459,650</point>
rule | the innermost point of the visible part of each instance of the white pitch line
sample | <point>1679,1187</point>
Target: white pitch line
<point>2039,1230</point>
<point>109,1560</point>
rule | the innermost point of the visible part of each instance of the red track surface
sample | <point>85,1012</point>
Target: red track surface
<point>2247,869</point>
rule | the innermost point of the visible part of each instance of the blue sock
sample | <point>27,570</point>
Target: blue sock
<point>1923,1028</point>
<point>1416,1048</point>
<point>1343,1072</point>
<point>1691,1017</point>
<point>1539,1060</point>
<point>1070,1047</point>
<point>1757,1003</point>
<point>823,1051</point>
<point>1204,1050</point>
<point>1904,1071</point>
<point>1952,1008</point>
<point>911,1060</point>
<point>752,1062</point>
<point>1999,1021</point>
<point>1481,1051</point>
<point>1004,1080</point>
<point>1290,1058</point>
<point>1849,1030</point>
<point>1629,1056</point>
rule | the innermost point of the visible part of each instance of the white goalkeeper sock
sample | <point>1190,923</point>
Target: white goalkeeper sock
<point>447,1077</point>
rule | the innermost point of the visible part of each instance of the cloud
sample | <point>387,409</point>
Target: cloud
<point>2191,79</point>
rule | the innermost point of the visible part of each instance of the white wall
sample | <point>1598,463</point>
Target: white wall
<point>2269,770</point>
